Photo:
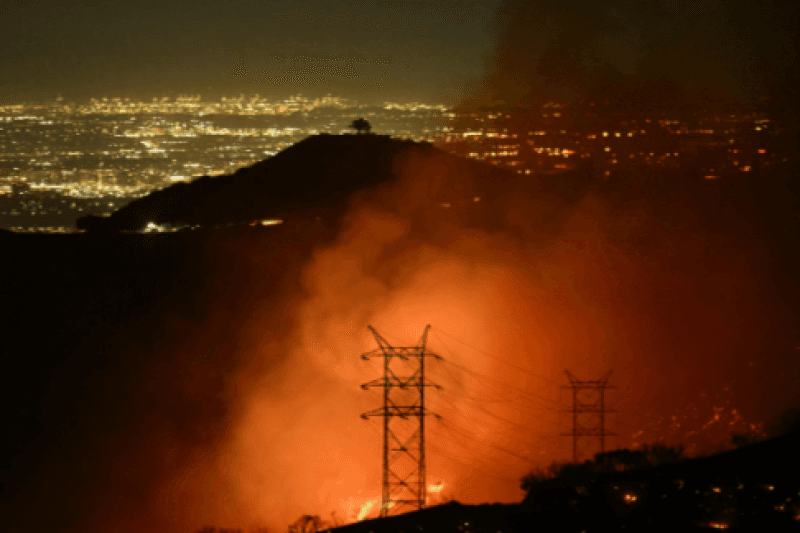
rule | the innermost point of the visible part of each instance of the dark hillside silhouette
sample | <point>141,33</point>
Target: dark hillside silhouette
<point>316,177</point>
<point>318,173</point>
<point>742,488</point>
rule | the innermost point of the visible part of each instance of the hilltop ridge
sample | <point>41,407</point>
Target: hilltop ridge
<point>321,170</point>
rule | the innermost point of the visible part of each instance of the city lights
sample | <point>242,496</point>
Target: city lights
<point>143,146</point>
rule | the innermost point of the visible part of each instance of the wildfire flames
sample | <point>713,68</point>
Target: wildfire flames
<point>374,504</point>
<point>362,513</point>
<point>702,426</point>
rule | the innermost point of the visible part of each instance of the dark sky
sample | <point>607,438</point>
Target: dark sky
<point>576,49</point>
<point>394,50</point>
<point>139,47</point>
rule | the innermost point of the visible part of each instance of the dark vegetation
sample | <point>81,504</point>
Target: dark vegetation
<point>655,488</point>
<point>649,456</point>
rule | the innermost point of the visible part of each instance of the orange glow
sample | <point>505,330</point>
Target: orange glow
<point>718,525</point>
<point>436,488</point>
<point>549,285</point>
<point>270,222</point>
<point>364,510</point>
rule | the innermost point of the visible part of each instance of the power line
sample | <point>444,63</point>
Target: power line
<point>522,393</point>
<point>478,405</point>
<point>530,439</point>
<point>496,446</point>
<point>484,410</point>
<point>458,439</point>
<point>448,455</point>
<point>526,431</point>
<point>503,390</point>
<point>501,419</point>
<point>518,428</point>
<point>445,455</point>
<point>507,435</point>
<point>482,401</point>
<point>496,358</point>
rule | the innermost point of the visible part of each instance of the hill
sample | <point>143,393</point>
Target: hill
<point>316,175</point>
<point>744,489</point>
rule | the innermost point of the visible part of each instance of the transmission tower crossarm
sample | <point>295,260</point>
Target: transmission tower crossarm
<point>409,383</point>
<point>389,381</point>
<point>403,411</point>
<point>380,352</point>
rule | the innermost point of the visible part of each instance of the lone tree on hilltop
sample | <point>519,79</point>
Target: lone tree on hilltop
<point>361,125</point>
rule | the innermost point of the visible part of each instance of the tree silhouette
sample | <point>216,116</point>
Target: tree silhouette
<point>361,125</point>
<point>308,524</point>
<point>659,453</point>
<point>582,474</point>
<point>539,475</point>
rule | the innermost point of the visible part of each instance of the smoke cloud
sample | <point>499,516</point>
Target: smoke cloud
<point>648,56</point>
<point>668,306</point>
<point>238,399</point>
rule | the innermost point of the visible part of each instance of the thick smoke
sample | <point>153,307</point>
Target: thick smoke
<point>235,399</point>
<point>641,56</point>
<point>670,307</point>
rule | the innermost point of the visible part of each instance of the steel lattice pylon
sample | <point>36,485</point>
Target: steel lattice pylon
<point>597,407</point>
<point>402,487</point>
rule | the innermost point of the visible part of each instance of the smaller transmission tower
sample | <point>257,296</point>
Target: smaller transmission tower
<point>404,475</point>
<point>594,404</point>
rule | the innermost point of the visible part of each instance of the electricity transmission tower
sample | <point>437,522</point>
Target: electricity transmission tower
<point>404,482</point>
<point>594,404</point>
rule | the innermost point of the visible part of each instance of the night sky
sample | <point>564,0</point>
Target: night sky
<point>139,48</point>
<point>432,51</point>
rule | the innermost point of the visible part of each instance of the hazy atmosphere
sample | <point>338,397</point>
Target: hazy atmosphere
<point>554,187</point>
<point>426,51</point>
